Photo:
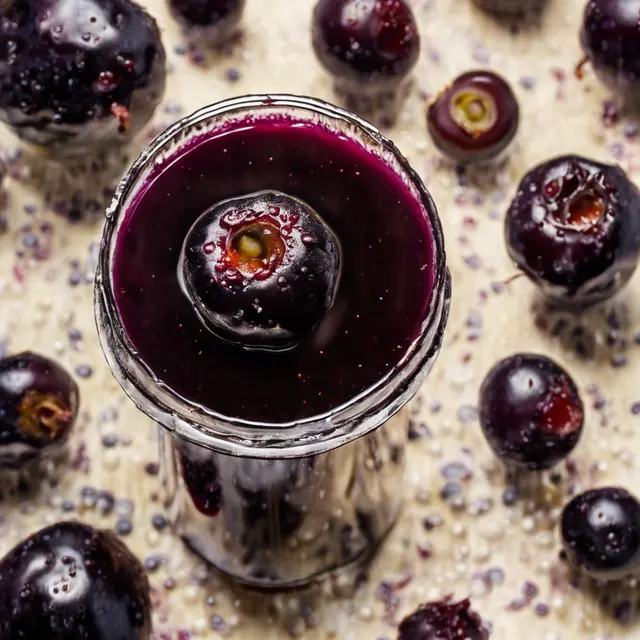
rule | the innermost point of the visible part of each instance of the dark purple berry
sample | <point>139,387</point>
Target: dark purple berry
<point>216,20</point>
<point>601,533</point>
<point>76,75</point>
<point>574,229</point>
<point>475,118</point>
<point>443,620</point>
<point>261,270</point>
<point>38,408</point>
<point>610,41</point>
<point>71,582</point>
<point>530,411</point>
<point>366,43</point>
<point>510,7</point>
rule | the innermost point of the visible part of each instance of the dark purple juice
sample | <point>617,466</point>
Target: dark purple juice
<point>381,302</point>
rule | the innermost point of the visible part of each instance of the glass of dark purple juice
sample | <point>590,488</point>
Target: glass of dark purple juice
<point>282,464</point>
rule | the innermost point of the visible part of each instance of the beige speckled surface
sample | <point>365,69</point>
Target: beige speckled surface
<point>559,115</point>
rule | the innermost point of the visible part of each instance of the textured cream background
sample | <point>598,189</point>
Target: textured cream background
<point>275,56</point>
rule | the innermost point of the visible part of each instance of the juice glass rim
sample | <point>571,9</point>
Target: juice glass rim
<point>235,436</point>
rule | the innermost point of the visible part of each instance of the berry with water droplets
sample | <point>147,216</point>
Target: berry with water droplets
<point>530,411</point>
<point>72,582</point>
<point>366,44</point>
<point>601,533</point>
<point>574,229</point>
<point>261,270</point>
<point>77,75</point>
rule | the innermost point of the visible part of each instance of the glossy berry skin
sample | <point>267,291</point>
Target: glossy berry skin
<point>574,230</point>
<point>475,118</point>
<point>530,411</point>
<point>71,582</point>
<point>601,533</point>
<point>261,270</point>
<point>609,38</point>
<point>77,75</point>
<point>366,44</point>
<point>38,408</point>
<point>216,20</point>
<point>443,620</point>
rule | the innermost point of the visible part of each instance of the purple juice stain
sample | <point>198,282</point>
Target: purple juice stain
<point>384,292</point>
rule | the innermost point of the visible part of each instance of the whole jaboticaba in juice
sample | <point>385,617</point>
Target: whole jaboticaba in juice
<point>382,298</point>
